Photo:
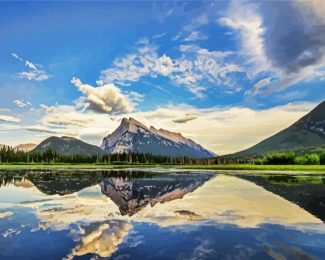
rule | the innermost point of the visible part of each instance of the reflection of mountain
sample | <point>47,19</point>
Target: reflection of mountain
<point>64,182</point>
<point>133,195</point>
<point>306,191</point>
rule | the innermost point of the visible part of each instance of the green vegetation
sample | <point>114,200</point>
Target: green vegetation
<point>286,161</point>
<point>290,158</point>
<point>245,167</point>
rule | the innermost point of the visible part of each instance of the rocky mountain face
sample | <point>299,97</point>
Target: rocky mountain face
<point>67,145</point>
<point>133,136</point>
<point>309,131</point>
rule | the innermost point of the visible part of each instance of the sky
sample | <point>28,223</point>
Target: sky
<point>226,74</point>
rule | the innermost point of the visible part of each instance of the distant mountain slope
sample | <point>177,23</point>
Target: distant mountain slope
<point>306,132</point>
<point>67,145</point>
<point>133,136</point>
<point>25,147</point>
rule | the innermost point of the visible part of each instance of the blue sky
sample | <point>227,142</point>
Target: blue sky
<point>106,60</point>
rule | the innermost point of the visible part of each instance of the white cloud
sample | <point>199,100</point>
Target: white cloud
<point>226,126</point>
<point>244,19</point>
<point>159,35</point>
<point>106,98</point>
<point>196,36</point>
<point>197,68</point>
<point>223,126</point>
<point>191,32</point>
<point>22,103</point>
<point>30,65</point>
<point>135,97</point>
<point>258,86</point>
<point>9,119</point>
<point>37,75</point>
<point>16,56</point>
<point>33,73</point>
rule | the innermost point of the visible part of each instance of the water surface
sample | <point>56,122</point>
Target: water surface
<point>160,215</point>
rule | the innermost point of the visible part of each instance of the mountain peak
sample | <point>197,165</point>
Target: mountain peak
<point>67,145</point>
<point>133,136</point>
<point>133,122</point>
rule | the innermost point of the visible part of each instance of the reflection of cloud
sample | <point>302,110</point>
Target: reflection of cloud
<point>231,200</point>
<point>6,214</point>
<point>103,241</point>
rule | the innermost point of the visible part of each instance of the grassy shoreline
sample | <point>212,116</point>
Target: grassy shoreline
<point>235,167</point>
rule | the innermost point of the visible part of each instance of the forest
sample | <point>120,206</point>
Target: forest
<point>11,155</point>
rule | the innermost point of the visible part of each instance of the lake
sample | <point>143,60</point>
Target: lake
<point>160,214</point>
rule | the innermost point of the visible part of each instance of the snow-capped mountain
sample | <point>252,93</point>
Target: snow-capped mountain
<point>133,136</point>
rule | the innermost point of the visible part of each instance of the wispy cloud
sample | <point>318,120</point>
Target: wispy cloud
<point>196,36</point>
<point>159,35</point>
<point>197,68</point>
<point>185,119</point>
<point>33,72</point>
<point>10,119</point>
<point>16,56</point>
<point>22,103</point>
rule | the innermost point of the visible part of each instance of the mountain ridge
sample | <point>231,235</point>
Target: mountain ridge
<point>306,132</point>
<point>133,136</point>
<point>66,145</point>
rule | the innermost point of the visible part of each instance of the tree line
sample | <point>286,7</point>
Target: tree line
<point>11,155</point>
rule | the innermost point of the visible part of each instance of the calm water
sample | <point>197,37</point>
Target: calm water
<point>160,215</point>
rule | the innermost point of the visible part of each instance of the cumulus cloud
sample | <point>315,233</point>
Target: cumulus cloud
<point>286,38</point>
<point>106,98</point>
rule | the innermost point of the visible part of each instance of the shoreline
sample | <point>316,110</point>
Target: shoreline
<point>227,167</point>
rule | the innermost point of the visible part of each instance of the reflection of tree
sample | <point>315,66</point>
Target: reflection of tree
<point>306,191</point>
<point>134,194</point>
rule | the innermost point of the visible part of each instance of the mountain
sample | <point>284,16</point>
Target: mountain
<point>133,136</point>
<point>25,147</point>
<point>67,145</point>
<point>309,131</point>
